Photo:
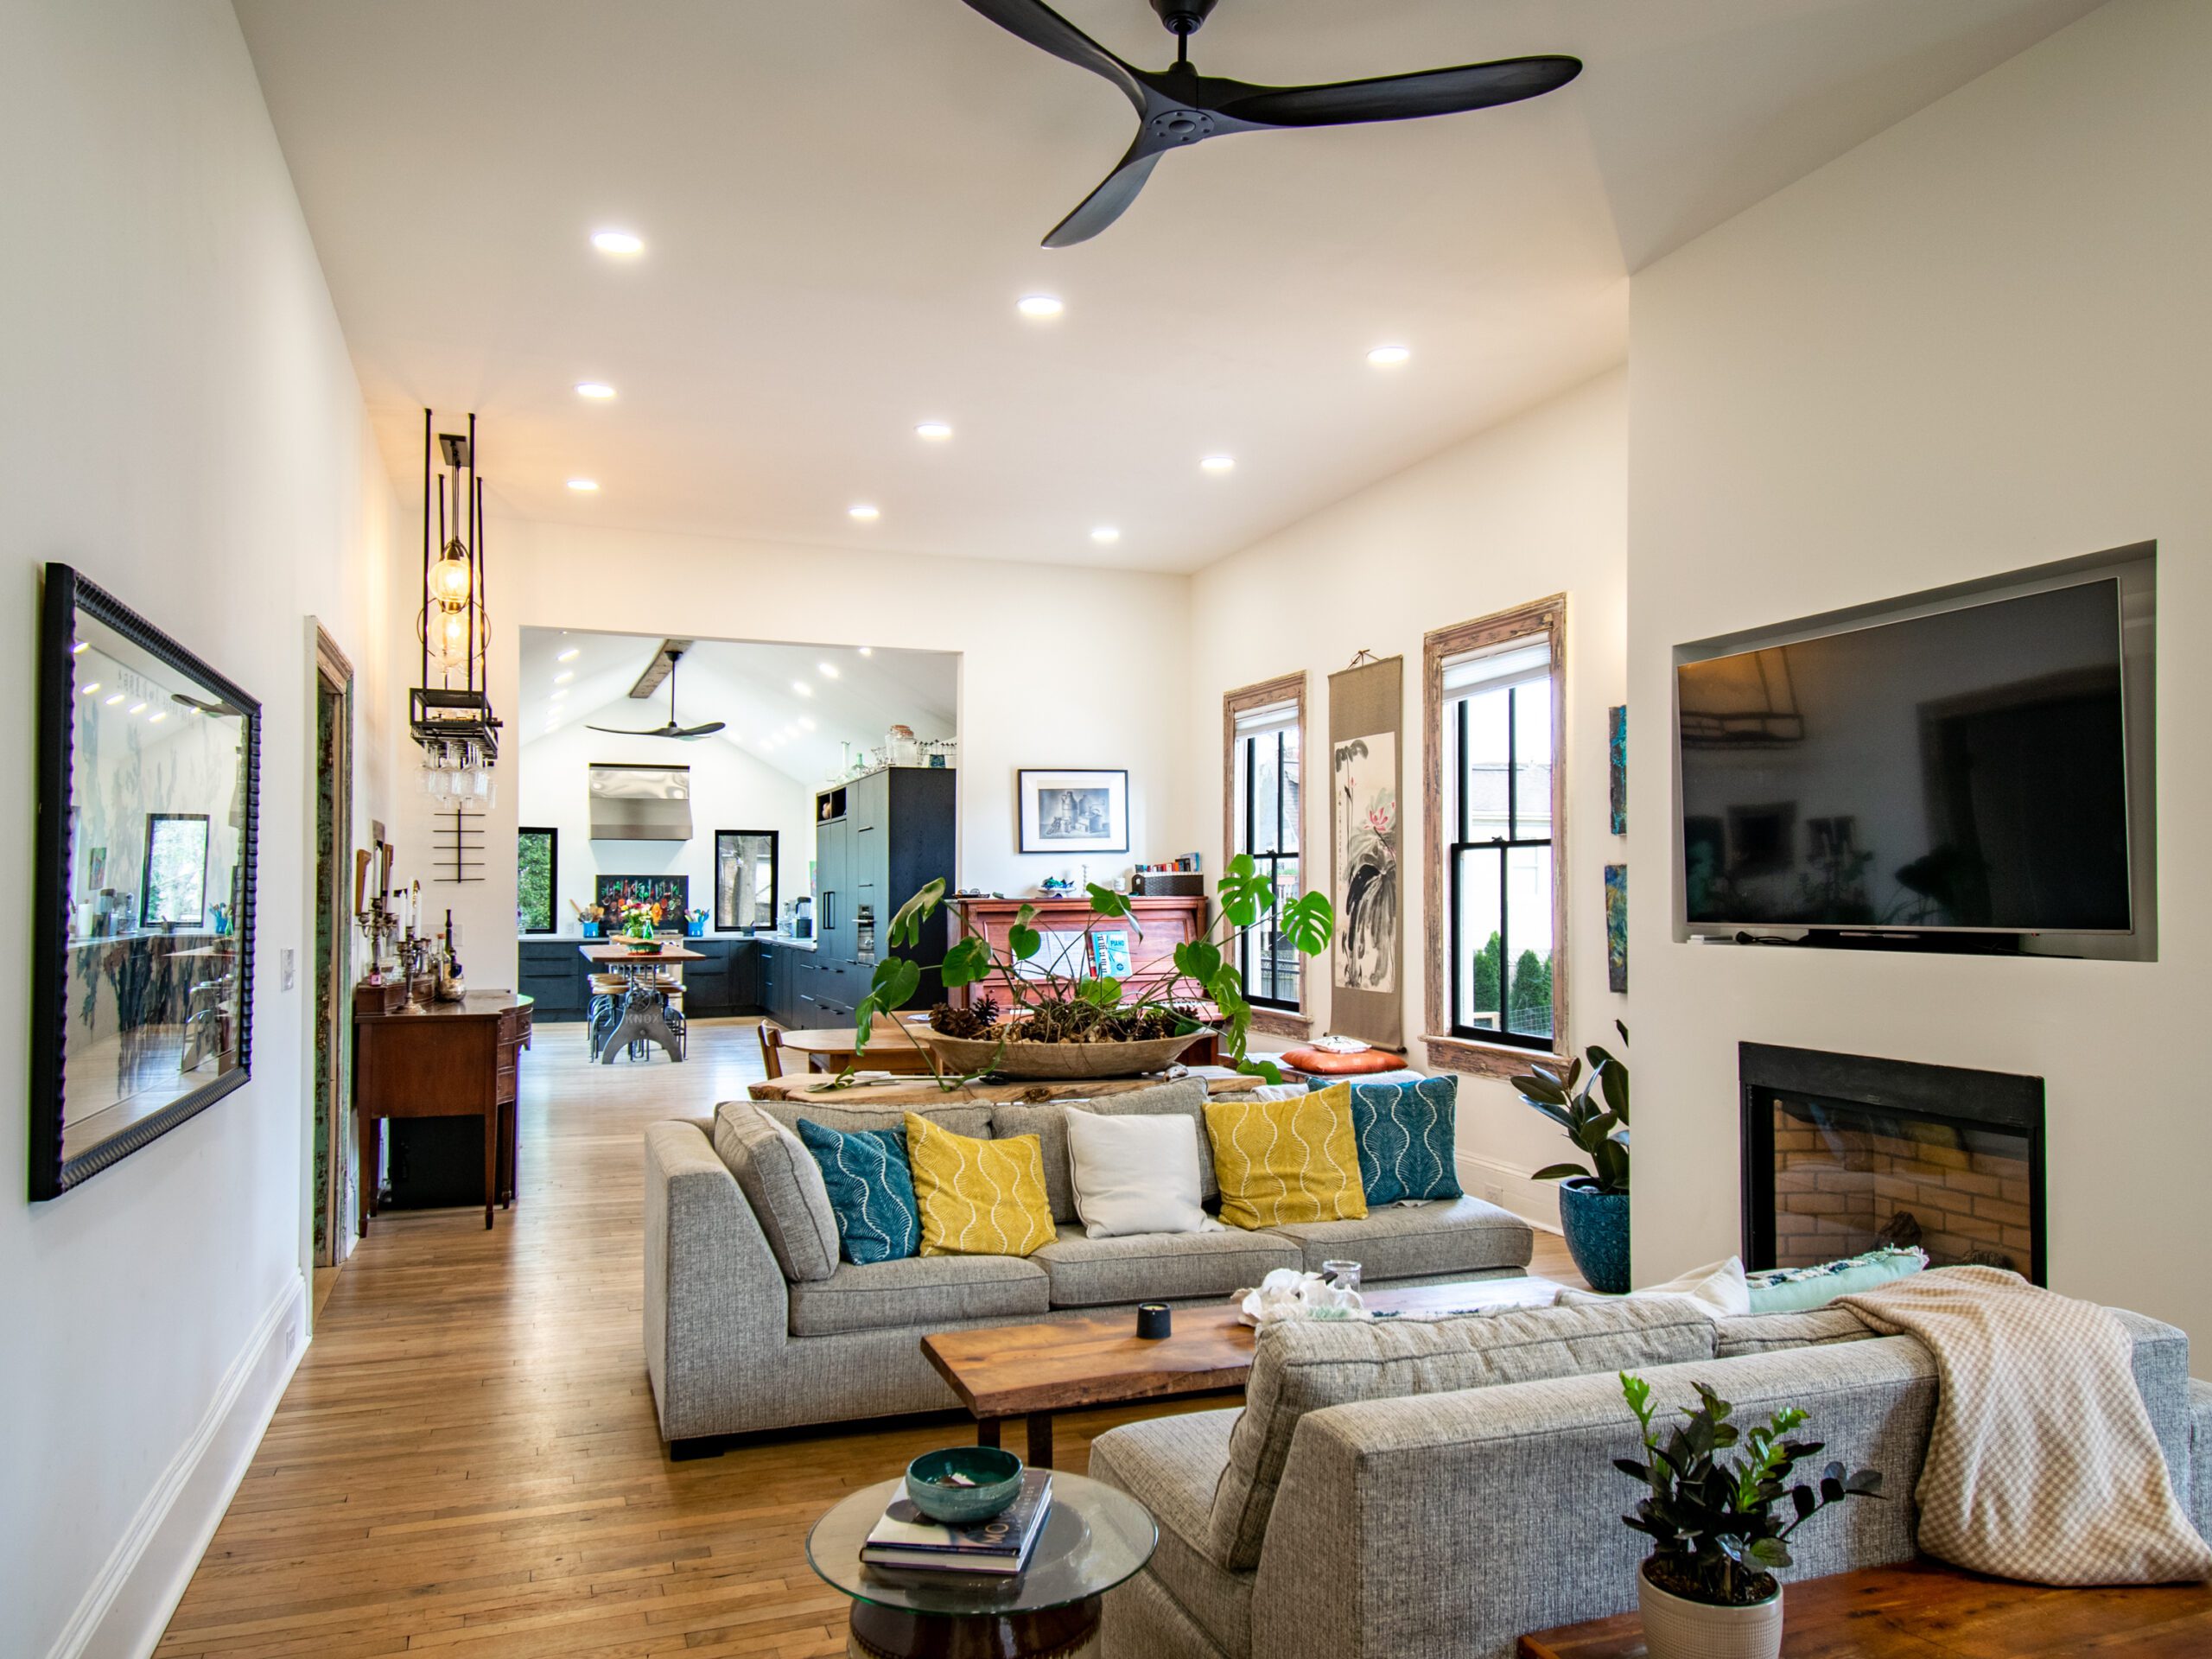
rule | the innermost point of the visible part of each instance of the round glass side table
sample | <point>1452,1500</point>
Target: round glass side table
<point>1095,1538</point>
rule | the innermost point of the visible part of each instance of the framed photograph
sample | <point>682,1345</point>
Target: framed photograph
<point>1073,811</point>
<point>142,935</point>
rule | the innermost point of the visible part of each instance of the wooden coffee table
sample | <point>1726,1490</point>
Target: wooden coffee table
<point>1923,1610</point>
<point>1034,1370</point>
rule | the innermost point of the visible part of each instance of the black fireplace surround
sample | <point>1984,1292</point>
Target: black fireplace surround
<point>1843,1153</point>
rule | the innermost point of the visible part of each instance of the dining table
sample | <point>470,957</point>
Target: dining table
<point>644,1014</point>
<point>890,1047</point>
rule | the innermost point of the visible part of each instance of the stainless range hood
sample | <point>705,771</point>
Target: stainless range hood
<point>640,802</point>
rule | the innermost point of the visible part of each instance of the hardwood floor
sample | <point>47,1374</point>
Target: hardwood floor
<point>467,1462</point>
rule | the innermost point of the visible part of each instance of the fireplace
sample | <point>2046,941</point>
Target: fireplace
<point>1843,1153</point>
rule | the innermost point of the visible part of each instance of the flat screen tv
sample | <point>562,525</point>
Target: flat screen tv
<point>1965,770</point>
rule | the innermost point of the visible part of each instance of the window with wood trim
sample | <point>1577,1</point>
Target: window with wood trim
<point>1494,700</point>
<point>1265,729</point>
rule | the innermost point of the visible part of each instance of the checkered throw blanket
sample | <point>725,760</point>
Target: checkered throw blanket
<point>2042,1464</point>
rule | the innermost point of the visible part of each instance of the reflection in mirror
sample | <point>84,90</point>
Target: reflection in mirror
<point>149,886</point>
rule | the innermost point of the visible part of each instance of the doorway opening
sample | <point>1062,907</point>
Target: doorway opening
<point>332,1229</point>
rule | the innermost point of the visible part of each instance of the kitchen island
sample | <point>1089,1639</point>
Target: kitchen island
<point>774,975</point>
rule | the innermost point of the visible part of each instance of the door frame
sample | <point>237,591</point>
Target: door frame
<point>332,1020</point>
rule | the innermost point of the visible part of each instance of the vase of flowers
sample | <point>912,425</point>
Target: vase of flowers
<point>1592,1202</point>
<point>1708,1591</point>
<point>641,929</point>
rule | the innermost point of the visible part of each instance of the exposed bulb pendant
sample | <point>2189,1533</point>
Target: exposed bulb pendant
<point>449,711</point>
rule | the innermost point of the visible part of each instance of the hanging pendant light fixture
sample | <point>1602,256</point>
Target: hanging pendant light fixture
<point>450,709</point>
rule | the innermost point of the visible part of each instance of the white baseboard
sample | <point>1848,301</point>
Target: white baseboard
<point>128,1607</point>
<point>1535,1201</point>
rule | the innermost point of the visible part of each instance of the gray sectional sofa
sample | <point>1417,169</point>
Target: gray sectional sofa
<point>1434,1492</point>
<point>751,1322</point>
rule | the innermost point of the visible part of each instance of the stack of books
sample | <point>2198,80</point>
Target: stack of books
<point>909,1541</point>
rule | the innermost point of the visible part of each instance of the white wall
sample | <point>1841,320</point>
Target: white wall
<point>730,789</point>
<point>1058,668</point>
<point>1531,508</point>
<point>179,419</point>
<point>1978,342</point>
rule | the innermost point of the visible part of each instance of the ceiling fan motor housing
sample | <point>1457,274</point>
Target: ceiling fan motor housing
<point>1185,17</point>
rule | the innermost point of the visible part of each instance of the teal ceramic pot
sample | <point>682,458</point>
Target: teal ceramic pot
<point>1596,1225</point>
<point>997,1474</point>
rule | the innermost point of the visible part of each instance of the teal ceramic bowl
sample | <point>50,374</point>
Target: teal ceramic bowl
<point>997,1474</point>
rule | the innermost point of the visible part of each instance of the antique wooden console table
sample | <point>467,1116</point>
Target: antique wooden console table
<point>443,1060</point>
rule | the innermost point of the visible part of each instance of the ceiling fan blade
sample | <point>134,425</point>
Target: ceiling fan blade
<point>1402,98</point>
<point>693,734</point>
<point>1111,199</point>
<point>1038,24</point>
<point>668,730</point>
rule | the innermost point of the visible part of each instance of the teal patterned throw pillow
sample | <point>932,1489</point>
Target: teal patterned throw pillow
<point>872,1189</point>
<point>1406,1132</point>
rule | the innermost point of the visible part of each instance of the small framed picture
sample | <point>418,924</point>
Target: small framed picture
<point>1109,951</point>
<point>1073,811</point>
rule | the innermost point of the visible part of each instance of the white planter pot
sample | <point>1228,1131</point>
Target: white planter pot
<point>1676,1629</point>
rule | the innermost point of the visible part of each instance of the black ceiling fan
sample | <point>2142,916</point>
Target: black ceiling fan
<point>1178,106</point>
<point>681,733</point>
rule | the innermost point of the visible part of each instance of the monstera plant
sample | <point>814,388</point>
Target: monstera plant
<point>1060,1000</point>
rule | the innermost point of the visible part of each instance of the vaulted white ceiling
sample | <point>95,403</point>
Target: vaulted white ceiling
<point>842,201</point>
<point>571,679</point>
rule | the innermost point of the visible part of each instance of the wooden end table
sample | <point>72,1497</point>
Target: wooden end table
<point>1924,1610</point>
<point>1034,1370</point>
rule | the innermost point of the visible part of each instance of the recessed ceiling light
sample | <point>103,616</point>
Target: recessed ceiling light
<point>802,687</point>
<point>135,708</point>
<point>79,647</point>
<point>805,724</point>
<point>117,698</point>
<point>933,431</point>
<point>564,676</point>
<point>1388,357</point>
<point>598,388</point>
<point>93,687</point>
<point>569,655</point>
<point>864,514</point>
<point>1105,534</point>
<point>1040,305</point>
<point>1219,464</point>
<point>829,670</point>
<point>583,486</point>
<point>559,692</point>
<point>867,650</point>
<point>618,242</point>
<point>157,716</point>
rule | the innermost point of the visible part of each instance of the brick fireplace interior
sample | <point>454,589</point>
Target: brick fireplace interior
<point>1844,1152</point>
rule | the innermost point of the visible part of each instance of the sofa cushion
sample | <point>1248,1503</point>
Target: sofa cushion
<point>784,1184</point>
<point>1089,1272</point>
<point>1767,1333</point>
<point>1282,1160</point>
<point>2200,1458</point>
<point>1304,1366</point>
<point>852,1120</point>
<point>1327,1063</point>
<point>1170,1466</point>
<point>1408,1137</point>
<point>919,1290</point>
<point>1187,1095</point>
<point>1135,1173</point>
<point>865,1171</point>
<point>976,1196</point>
<point>1417,1241</point>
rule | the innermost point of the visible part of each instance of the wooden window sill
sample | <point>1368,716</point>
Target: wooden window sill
<point>1486,1059</point>
<point>1281,1022</point>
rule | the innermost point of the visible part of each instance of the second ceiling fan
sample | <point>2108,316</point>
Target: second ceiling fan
<point>670,654</point>
<point>1178,106</point>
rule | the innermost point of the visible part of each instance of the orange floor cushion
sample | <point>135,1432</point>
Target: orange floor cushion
<point>1322,1062</point>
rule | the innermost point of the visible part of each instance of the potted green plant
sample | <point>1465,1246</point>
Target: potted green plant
<point>1719,1527</point>
<point>1067,1020</point>
<point>1592,1202</point>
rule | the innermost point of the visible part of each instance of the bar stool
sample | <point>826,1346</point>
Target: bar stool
<point>607,993</point>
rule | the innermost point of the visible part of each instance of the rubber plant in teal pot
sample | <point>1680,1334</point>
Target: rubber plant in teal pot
<point>1593,1108</point>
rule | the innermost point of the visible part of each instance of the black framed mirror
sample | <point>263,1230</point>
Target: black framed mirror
<point>142,983</point>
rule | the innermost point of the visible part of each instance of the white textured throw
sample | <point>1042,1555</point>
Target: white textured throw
<point>2042,1464</point>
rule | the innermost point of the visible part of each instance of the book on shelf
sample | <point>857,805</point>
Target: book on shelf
<point>907,1539</point>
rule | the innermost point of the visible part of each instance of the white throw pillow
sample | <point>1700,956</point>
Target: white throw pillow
<point>1135,1174</point>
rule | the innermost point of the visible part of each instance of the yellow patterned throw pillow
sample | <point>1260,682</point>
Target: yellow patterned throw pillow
<point>1286,1161</point>
<point>978,1198</point>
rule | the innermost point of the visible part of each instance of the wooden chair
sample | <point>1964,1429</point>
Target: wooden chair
<point>772,1048</point>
